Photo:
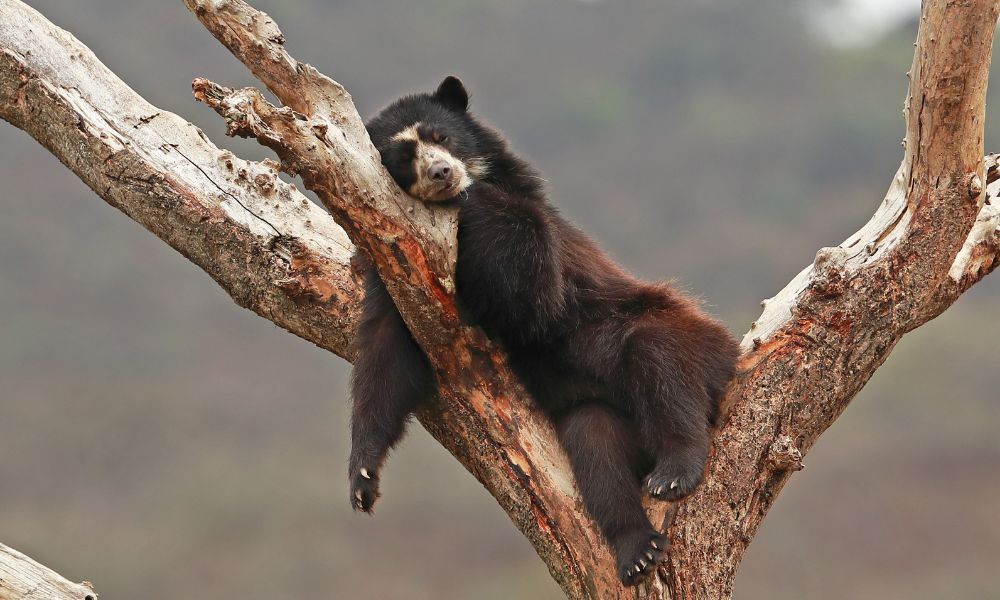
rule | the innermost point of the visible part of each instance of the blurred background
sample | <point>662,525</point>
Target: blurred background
<point>162,442</point>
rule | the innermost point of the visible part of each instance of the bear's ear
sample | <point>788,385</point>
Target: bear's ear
<point>452,94</point>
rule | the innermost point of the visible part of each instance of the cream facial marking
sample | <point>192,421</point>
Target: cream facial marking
<point>410,133</point>
<point>450,177</point>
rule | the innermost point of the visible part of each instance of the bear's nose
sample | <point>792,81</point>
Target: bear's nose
<point>439,170</point>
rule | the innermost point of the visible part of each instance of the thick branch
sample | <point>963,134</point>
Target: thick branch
<point>817,343</point>
<point>821,339</point>
<point>284,258</point>
<point>482,416</point>
<point>412,245</point>
<point>814,349</point>
<point>22,578</point>
<point>254,38</point>
<point>271,249</point>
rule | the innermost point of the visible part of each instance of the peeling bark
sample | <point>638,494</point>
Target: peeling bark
<point>815,345</point>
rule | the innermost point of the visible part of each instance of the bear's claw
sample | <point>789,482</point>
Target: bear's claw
<point>364,490</point>
<point>638,554</point>
<point>674,479</point>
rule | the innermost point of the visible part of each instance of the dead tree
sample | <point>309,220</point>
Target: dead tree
<point>814,347</point>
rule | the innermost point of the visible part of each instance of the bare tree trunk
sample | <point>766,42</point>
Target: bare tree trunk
<point>817,343</point>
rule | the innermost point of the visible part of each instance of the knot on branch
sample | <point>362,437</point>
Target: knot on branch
<point>247,113</point>
<point>204,6</point>
<point>306,277</point>
<point>265,182</point>
<point>784,455</point>
<point>975,186</point>
<point>830,265</point>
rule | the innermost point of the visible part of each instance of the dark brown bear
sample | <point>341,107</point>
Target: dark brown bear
<point>630,372</point>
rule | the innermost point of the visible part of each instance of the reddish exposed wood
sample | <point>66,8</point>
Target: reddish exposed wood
<point>841,317</point>
<point>847,311</point>
<point>482,415</point>
<point>816,344</point>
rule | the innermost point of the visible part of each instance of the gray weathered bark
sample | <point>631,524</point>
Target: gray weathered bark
<point>270,248</point>
<point>817,343</point>
<point>22,578</point>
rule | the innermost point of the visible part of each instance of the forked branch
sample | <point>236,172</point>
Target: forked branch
<point>817,343</point>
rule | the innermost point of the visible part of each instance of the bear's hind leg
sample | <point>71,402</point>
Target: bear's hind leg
<point>663,388</point>
<point>602,452</point>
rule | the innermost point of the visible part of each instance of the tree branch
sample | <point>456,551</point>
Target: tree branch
<point>821,338</point>
<point>979,253</point>
<point>482,417</point>
<point>271,249</point>
<point>815,346</point>
<point>22,578</point>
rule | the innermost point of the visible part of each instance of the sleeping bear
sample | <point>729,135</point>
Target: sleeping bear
<point>631,373</point>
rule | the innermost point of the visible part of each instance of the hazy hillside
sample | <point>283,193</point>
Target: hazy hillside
<point>160,441</point>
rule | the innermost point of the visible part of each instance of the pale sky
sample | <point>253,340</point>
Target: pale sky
<point>856,21</point>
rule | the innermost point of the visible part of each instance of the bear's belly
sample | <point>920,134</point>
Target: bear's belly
<point>554,382</point>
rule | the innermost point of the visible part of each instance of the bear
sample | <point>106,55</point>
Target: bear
<point>630,373</point>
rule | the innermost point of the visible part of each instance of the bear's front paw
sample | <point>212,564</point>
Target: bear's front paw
<point>674,477</point>
<point>637,554</point>
<point>364,489</point>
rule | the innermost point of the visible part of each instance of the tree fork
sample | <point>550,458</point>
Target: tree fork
<point>816,344</point>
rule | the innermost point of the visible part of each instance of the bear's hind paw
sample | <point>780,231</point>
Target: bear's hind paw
<point>638,554</point>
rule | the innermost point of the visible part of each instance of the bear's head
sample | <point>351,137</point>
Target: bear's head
<point>430,144</point>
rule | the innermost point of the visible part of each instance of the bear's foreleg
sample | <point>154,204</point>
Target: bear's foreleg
<point>509,274</point>
<point>391,378</point>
